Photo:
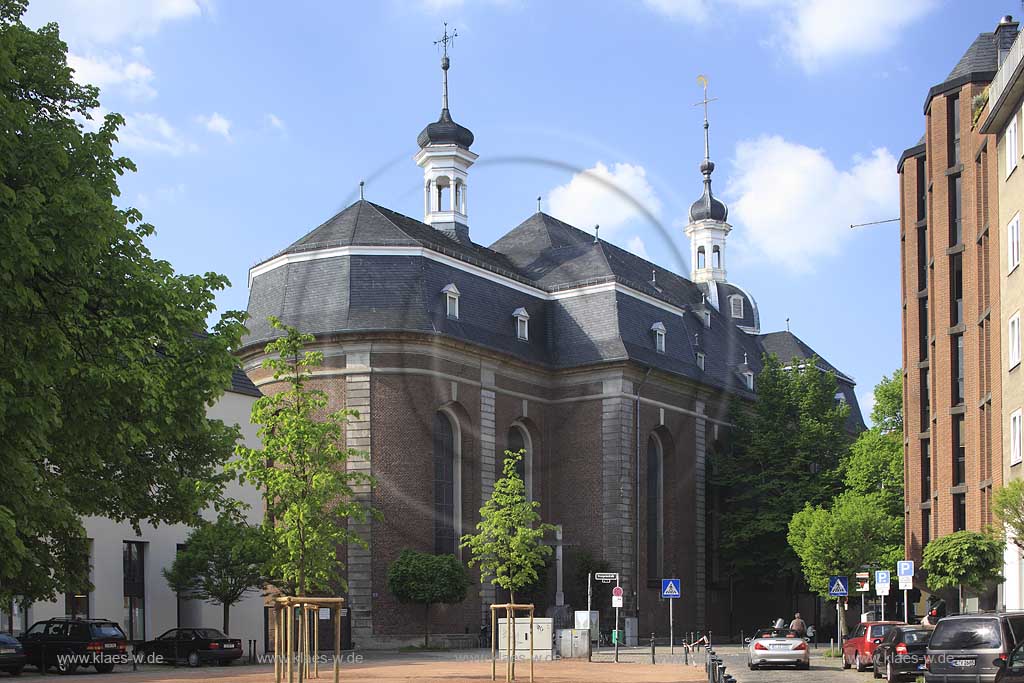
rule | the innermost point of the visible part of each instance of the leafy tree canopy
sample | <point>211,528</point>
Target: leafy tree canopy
<point>308,478</point>
<point>887,413</point>
<point>105,375</point>
<point>968,559</point>
<point>875,466</point>
<point>221,561</point>
<point>1008,506</point>
<point>508,545</point>
<point>426,579</point>
<point>785,454</point>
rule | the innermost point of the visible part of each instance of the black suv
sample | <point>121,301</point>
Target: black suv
<point>68,643</point>
<point>972,648</point>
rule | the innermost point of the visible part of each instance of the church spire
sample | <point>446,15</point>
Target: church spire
<point>443,42</point>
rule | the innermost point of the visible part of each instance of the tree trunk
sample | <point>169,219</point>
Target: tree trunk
<point>426,626</point>
<point>227,609</point>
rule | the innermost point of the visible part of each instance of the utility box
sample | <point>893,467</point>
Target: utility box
<point>589,621</point>
<point>573,643</point>
<point>543,638</point>
<point>631,632</point>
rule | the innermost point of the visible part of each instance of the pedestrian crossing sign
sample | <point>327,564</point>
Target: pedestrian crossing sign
<point>838,586</point>
<point>670,588</point>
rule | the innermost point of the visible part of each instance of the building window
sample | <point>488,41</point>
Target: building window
<point>658,329</point>
<point>748,380</point>
<point>716,257</point>
<point>955,211</point>
<point>444,485</point>
<point>519,440</point>
<point>700,360</point>
<point>451,298</point>
<point>953,123</point>
<point>1013,330</point>
<point>926,399</point>
<point>959,451</point>
<point>1011,146</point>
<point>1015,437</point>
<point>926,526</point>
<point>959,511</point>
<point>522,324</point>
<point>76,604</point>
<point>956,287</point>
<point>701,256</point>
<point>922,190</point>
<point>958,368</point>
<point>926,470</point>
<point>922,257</point>
<point>1013,243</point>
<point>736,306</point>
<point>840,398</point>
<point>707,318</point>
<point>134,561</point>
<point>922,325</point>
<point>655,520</point>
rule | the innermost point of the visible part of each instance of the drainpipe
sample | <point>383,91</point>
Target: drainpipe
<point>636,557</point>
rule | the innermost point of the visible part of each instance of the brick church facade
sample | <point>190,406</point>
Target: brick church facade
<point>613,373</point>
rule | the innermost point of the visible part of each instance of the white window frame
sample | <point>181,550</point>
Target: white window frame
<point>700,360</point>
<point>1013,342</point>
<point>1016,422</point>
<point>451,301</point>
<point>748,379</point>
<point>658,329</point>
<point>1013,243</point>
<point>1010,141</point>
<point>707,318</point>
<point>736,305</point>
<point>522,324</point>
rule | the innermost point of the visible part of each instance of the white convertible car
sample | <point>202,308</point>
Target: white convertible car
<point>777,646</point>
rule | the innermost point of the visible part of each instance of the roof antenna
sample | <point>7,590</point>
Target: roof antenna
<point>787,324</point>
<point>362,185</point>
<point>597,230</point>
<point>538,203</point>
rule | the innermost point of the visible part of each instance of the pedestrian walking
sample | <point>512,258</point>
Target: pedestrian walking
<point>798,625</point>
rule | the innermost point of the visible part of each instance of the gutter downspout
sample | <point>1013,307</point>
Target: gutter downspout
<point>636,428</point>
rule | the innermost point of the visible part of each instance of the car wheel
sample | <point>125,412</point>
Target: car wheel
<point>876,671</point>
<point>193,659</point>
<point>859,665</point>
<point>65,668</point>
<point>846,662</point>
<point>104,668</point>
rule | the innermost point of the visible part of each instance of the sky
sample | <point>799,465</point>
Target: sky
<point>251,122</point>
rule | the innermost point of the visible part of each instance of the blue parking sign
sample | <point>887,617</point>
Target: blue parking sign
<point>670,588</point>
<point>905,568</point>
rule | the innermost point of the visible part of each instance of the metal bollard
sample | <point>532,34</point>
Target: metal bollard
<point>721,672</point>
<point>652,649</point>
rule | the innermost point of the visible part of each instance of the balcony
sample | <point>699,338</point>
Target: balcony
<point>1007,78</point>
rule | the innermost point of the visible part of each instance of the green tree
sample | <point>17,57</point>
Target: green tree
<point>426,579</point>
<point>105,376</point>
<point>302,470</point>
<point>1008,506</point>
<point>887,413</point>
<point>964,559</point>
<point>221,562</point>
<point>508,545</point>
<point>854,532</point>
<point>785,453</point>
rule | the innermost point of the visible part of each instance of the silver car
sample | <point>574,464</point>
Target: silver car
<point>777,646</point>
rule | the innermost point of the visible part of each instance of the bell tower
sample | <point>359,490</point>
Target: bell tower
<point>445,159</point>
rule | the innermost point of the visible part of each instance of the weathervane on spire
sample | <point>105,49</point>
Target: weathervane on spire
<point>703,80</point>
<point>443,41</point>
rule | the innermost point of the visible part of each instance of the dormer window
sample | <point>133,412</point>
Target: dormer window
<point>707,318</point>
<point>658,329</point>
<point>736,306</point>
<point>840,398</point>
<point>522,324</point>
<point>748,380</point>
<point>700,360</point>
<point>451,297</point>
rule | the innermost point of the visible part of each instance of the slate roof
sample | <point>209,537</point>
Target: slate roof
<point>241,384</point>
<point>383,292</point>
<point>980,57</point>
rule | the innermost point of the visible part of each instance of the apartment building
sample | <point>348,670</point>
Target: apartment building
<point>950,245</point>
<point>1003,124</point>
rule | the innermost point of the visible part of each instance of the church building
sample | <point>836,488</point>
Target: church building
<point>614,375</point>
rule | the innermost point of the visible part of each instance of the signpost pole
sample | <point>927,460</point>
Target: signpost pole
<point>616,634</point>
<point>671,635</point>
<point>590,591</point>
<point>906,612</point>
<point>839,624</point>
<point>883,608</point>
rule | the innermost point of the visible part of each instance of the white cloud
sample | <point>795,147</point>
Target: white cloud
<point>275,122</point>
<point>611,198</point>
<point>108,21</point>
<point>795,206</point>
<point>112,71</point>
<point>215,123</point>
<point>153,133</point>
<point>637,246</point>
<point>814,32</point>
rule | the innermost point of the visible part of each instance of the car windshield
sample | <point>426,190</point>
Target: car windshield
<point>966,634</point>
<point>108,630</point>
<point>916,637</point>
<point>211,633</point>
<point>777,633</point>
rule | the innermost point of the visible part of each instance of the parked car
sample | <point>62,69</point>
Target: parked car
<point>774,646</point>
<point>901,653</point>
<point>859,646</point>
<point>973,647</point>
<point>69,642</point>
<point>193,646</point>
<point>12,656</point>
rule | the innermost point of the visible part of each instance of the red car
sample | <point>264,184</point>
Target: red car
<point>859,646</point>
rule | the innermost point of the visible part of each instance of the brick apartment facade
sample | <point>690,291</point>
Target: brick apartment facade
<point>950,246</point>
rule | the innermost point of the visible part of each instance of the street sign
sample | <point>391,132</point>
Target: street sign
<point>882,577</point>
<point>906,583</point>
<point>863,582</point>
<point>606,577</point>
<point>616,601</point>
<point>905,568</point>
<point>838,586</point>
<point>617,592</point>
<point>670,588</point>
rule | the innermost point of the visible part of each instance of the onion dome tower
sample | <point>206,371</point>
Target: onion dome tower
<point>445,159</point>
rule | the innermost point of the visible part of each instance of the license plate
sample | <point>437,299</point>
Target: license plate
<point>778,646</point>
<point>109,646</point>
<point>7,650</point>
<point>961,663</point>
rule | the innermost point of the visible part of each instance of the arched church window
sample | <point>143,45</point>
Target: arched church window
<point>444,484</point>
<point>519,440</point>
<point>700,257</point>
<point>655,506</point>
<point>716,257</point>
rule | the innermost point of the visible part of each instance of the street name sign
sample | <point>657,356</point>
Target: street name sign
<point>606,577</point>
